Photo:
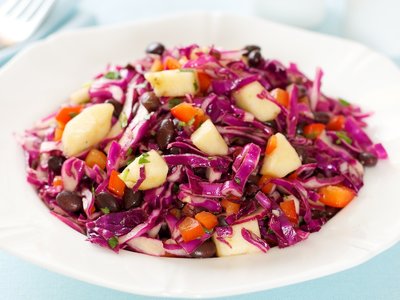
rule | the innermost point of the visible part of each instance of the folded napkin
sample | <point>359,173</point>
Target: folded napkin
<point>63,16</point>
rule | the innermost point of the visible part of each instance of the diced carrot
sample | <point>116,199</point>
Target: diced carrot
<point>208,220</point>
<point>57,181</point>
<point>314,130</point>
<point>58,132</point>
<point>65,114</point>
<point>199,118</point>
<point>230,207</point>
<point>116,185</point>
<point>265,185</point>
<point>190,229</point>
<point>281,96</point>
<point>271,145</point>
<point>171,63</point>
<point>336,195</point>
<point>336,123</point>
<point>184,112</point>
<point>156,66</point>
<point>96,157</point>
<point>289,209</point>
<point>204,81</point>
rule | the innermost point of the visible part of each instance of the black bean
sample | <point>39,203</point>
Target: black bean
<point>155,48</point>
<point>165,133</point>
<point>150,101</point>
<point>55,164</point>
<point>179,204</point>
<point>106,200</point>
<point>321,117</point>
<point>367,159</point>
<point>251,189</point>
<point>117,107</point>
<point>174,150</point>
<point>132,199</point>
<point>205,250</point>
<point>164,232</point>
<point>254,58</point>
<point>222,221</point>
<point>250,48</point>
<point>69,201</point>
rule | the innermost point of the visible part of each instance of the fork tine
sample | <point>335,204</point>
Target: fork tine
<point>18,8</point>
<point>41,11</point>
<point>33,7</point>
<point>7,6</point>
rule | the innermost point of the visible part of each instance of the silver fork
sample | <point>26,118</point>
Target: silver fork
<point>19,19</point>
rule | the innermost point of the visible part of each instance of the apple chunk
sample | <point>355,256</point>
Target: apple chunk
<point>173,83</point>
<point>155,167</point>
<point>251,99</point>
<point>87,129</point>
<point>282,160</point>
<point>209,140</point>
<point>238,244</point>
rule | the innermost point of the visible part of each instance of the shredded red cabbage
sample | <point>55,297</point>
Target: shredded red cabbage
<point>85,195</point>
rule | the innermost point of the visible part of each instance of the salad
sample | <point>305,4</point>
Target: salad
<point>199,152</point>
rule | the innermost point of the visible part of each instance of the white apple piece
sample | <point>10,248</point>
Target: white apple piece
<point>80,96</point>
<point>173,83</point>
<point>147,245</point>
<point>87,129</point>
<point>248,98</point>
<point>155,167</point>
<point>209,140</point>
<point>238,243</point>
<point>283,159</point>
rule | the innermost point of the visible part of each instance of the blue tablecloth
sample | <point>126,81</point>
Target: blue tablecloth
<point>377,279</point>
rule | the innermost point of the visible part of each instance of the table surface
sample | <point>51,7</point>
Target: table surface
<point>375,279</point>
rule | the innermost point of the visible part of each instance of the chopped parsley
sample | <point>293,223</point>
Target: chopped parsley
<point>123,120</point>
<point>112,75</point>
<point>174,102</point>
<point>344,102</point>
<point>342,135</point>
<point>73,114</point>
<point>113,242</point>
<point>195,85</point>
<point>129,152</point>
<point>124,174</point>
<point>105,210</point>
<point>143,159</point>
<point>237,180</point>
<point>188,123</point>
<point>175,188</point>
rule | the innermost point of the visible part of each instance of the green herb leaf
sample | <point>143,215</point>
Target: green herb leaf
<point>174,102</point>
<point>123,120</point>
<point>342,135</point>
<point>175,188</point>
<point>191,121</point>
<point>129,152</point>
<point>113,242</point>
<point>195,85</point>
<point>207,231</point>
<point>105,210</point>
<point>124,174</point>
<point>344,102</point>
<point>112,75</point>
<point>143,159</point>
<point>182,124</point>
<point>73,114</point>
<point>237,180</point>
<point>186,70</point>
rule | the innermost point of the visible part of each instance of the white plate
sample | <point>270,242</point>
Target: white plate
<point>38,80</point>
